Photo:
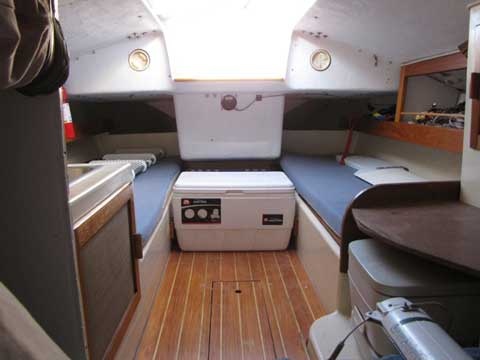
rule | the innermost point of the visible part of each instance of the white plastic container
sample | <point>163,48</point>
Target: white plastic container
<point>378,271</point>
<point>233,211</point>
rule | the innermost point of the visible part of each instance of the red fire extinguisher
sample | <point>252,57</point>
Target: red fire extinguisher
<point>67,116</point>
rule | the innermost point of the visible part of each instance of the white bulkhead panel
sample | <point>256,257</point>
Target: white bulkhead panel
<point>206,131</point>
<point>106,73</point>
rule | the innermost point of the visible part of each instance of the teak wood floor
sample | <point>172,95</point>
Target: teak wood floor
<point>231,306</point>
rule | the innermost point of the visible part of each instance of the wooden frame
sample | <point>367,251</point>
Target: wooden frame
<point>451,62</point>
<point>85,230</point>
<point>431,136</point>
<point>448,139</point>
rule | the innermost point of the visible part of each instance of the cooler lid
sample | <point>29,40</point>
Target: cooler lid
<point>393,272</point>
<point>224,181</point>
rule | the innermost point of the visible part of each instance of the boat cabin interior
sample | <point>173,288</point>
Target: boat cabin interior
<point>242,179</point>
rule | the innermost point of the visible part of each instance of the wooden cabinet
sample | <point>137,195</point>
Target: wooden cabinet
<point>108,271</point>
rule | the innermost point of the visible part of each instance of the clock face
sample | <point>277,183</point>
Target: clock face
<point>320,60</point>
<point>139,60</point>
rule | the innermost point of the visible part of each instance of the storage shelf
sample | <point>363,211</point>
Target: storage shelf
<point>432,136</point>
<point>449,115</point>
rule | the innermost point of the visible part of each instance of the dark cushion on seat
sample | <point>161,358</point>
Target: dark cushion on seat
<point>326,186</point>
<point>151,190</point>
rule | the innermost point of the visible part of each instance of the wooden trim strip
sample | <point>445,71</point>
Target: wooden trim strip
<point>166,309</point>
<point>274,308</point>
<point>301,287</point>
<point>437,137</point>
<point>182,322</point>
<point>221,316</point>
<point>91,223</point>
<point>259,323</point>
<point>202,312</point>
<point>304,342</point>
<point>450,62</point>
<point>240,325</point>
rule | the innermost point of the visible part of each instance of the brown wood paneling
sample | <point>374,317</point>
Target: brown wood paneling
<point>401,95</point>
<point>451,62</point>
<point>381,195</point>
<point>276,308</point>
<point>432,136</point>
<point>454,243</point>
<point>87,227</point>
<point>86,230</point>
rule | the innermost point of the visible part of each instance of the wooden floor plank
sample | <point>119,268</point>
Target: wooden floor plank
<point>227,266</point>
<point>302,309</point>
<point>149,338</point>
<point>295,343</point>
<point>258,341</point>
<point>195,319</point>
<point>198,315</point>
<point>167,340</point>
<point>306,285</point>
<point>257,267</point>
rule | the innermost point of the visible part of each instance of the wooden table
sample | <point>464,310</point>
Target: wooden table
<point>447,232</point>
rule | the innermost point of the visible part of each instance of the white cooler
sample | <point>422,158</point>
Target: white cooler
<point>233,211</point>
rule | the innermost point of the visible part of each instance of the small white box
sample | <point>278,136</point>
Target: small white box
<point>233,211</point>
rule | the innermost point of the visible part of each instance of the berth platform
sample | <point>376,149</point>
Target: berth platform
<point>235,305</point>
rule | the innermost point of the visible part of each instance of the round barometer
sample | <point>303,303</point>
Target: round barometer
<point>320,60</point>
<point>139,60</point>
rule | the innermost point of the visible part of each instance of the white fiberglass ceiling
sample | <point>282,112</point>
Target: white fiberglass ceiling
<point>403,30</point>
<point>225,40</point>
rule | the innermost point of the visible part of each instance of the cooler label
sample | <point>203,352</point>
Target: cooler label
<point>272,219</point>
<point>201,211</point>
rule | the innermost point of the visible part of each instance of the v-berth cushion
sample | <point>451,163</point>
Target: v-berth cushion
<point>151,191</point>
<point>324,184</point>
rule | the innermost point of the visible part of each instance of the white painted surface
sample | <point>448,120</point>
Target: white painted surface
<point>91,24</point>
<point>319,254</point>
<point>351,71</point>
<point>206,131</point>
<point>470,192</point>
<point>326,332</point>
<point>107,143</point>
<point>432,164</point>
<point>401,30</point>
<point>353,31</point>
<point>106,73</point>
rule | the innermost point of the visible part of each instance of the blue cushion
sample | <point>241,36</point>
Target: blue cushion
<point>151,190</point>
<point>326,186</point>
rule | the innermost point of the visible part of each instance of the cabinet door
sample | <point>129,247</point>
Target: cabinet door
<point>108,272</point>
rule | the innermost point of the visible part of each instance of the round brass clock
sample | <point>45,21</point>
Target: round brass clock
<point>320,60</point>
<point>139,60</point>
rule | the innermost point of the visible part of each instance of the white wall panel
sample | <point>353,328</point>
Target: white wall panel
<point>105,73</point>
<point>352,70</point>
<point>206,131</point>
